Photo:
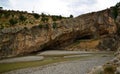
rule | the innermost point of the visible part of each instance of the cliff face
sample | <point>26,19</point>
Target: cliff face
<point>113,66</point>
<point>96,26</point>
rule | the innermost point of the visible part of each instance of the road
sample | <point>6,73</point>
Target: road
<point>81,66</point>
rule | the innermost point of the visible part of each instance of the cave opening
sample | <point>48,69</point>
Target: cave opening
<point>85,37</point>
<point>59,44</point>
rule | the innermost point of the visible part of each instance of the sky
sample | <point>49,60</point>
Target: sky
<point>58,7</point>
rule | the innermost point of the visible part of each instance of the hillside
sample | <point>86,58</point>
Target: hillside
<point>23,33</point>
<point>11,18</point>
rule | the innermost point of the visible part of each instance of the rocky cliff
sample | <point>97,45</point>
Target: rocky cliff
<point>113,66</point>
<point>98,26</point>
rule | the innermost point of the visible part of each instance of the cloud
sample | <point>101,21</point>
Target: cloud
<point>58,7</point>
<point>4,3</point>
<point>86,6</point>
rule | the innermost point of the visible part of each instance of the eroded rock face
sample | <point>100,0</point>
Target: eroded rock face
<point>26,40</point>
<point>113,66</point>
<point>108,43</point>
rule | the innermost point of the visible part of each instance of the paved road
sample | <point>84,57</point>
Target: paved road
<point>70,67</point>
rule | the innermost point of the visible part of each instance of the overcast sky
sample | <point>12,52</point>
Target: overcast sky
<point>58,7</point>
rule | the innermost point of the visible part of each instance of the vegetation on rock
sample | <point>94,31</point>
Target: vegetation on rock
<point>54,25</point>
<point>115,10</point>
<point>10,18</point>
<point>22,18</point>
<point>12,22</point>
<point>44,19</point>
<point>36,16</point>
<point>40,26</point>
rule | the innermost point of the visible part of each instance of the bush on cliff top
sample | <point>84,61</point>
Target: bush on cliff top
<point>115,10</point>
<point>44,19</point>
<point>12,21</point>
<point>36,16</point>
<point>22,18</point>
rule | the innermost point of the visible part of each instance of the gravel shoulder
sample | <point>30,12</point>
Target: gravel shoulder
<point>70,67</point>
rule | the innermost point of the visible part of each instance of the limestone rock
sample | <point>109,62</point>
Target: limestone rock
<point>97,25</point>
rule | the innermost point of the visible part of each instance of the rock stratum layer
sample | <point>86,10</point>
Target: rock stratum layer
<point>100,26</point>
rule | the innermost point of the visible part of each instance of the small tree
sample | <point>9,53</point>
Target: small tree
<point>43,15</point>
<point>54,18</point>
<point>54,25</point>
<point>32,11</point>
<point>1,8</point>
<point>115,10</point>
<point>71,16</point>
<point>36,15</point>
<point>118,4</point>
<point>40,25</point>
<point>12,21</point>
<point>22,18</point>
<point>44,19</point>
<point>60,17</point>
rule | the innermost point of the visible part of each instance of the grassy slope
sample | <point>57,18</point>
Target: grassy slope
<point>25,19</point>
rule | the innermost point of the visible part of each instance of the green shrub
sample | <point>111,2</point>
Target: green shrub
<point>109,69</point>
<point>44,19</point>
<point>36,16</point>
<point>22,18</point>
<point>115,12</point>
<point>13,21</point>
<point>71,16</point>
<point>54,18</point>
<point>118,4</point>
<point>40,25</point>
<point>60,17</point>
<point>43,15</point>
<point>12,16</point>
<point>54,25</point>
<point>1,8</point>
